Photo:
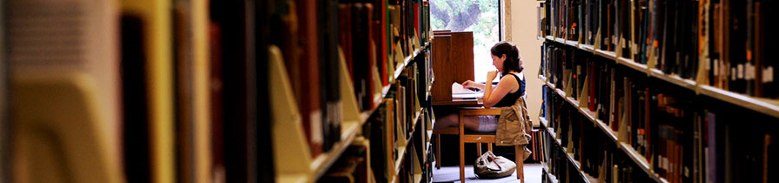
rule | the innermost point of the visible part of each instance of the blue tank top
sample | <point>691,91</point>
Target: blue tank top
<point>511,98</point>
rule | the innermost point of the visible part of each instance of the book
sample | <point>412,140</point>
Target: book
<point>5,125</point>
<point>239,87</point>
<point>153,106</point>
<point>266,167</point>
<point>310,99</point>
<point>329,65</point>
<point>191,60</point>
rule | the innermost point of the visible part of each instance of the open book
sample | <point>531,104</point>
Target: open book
<point>458,92</point>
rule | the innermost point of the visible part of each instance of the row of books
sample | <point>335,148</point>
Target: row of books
<point>558,164</point>
<point>398,125</point>
<point>310,51</point>
<point>584,77</point>
<point>375,37</point>
<point>592,155</point>
<point>681,141</point>
<point>720,43</point>
<point>162,91</point>
<point>535,145</point>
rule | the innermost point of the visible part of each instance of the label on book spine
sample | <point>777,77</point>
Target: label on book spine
<point>716,67</point>
<point>686,171</point>
<point>589,34</point>
<point>316,127</point>
<point>622,42</point>
<point>740,71</point>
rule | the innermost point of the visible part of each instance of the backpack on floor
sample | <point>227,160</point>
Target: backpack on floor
<point>490,166</point>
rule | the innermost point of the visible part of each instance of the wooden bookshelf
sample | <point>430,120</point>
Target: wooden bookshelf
<point>762,105</point>
<point>639,159</point>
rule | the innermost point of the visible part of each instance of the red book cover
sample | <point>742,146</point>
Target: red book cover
<point>647,127</point>
<point>309,101</point>
<point>383,43</point>
<point>375,35</point>
<point>416,19</point>
<point>380,42</point>
<point>216,97</point>
<point>372,59</point>
<point>345,35</point>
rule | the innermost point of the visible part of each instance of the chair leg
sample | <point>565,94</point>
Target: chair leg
<point>489,147</point>
<point>519,153</point>
<point>462,160</point>
<point>478,149</point>
<point>462,149</point>
<point>438,151</point>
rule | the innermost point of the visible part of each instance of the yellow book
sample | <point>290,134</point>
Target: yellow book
<point>192,81</point>
<point>155,25</point>
<point>390,136</point>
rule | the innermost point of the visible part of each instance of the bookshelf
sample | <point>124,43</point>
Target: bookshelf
<point>762,105</point>
<point>213,91</point>
<point>660,86</point>
<point>351,129</point>
<point>550,177</point>
<point>569,157</point>
<point>637,158</point>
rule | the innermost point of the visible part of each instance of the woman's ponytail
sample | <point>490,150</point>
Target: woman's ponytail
<point>513,61</point>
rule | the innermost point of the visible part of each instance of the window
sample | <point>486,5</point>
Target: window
<point>482,17</point>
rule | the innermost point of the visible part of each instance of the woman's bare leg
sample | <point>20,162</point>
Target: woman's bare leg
<point>452,120</point>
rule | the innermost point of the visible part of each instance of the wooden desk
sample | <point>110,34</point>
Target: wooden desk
<point>455,102</point>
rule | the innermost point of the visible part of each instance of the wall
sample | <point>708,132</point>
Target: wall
<point>520,22</point>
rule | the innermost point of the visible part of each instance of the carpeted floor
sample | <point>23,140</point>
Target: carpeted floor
<point>452,174</point>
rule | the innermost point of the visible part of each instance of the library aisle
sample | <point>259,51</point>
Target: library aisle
<point>304,91</point>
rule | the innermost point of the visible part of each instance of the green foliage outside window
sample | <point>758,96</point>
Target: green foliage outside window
<point>479,16</point>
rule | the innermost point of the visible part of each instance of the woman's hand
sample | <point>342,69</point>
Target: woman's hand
<point>491,75</point>
<point>469,84</point>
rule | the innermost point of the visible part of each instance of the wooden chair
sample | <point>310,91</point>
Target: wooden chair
<point>450,131</point>
<point>484,138</point>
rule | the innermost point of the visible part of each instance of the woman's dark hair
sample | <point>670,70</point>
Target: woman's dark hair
<point>512,62</point>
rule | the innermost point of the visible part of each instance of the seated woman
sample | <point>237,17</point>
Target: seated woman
<point>505,57</point>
